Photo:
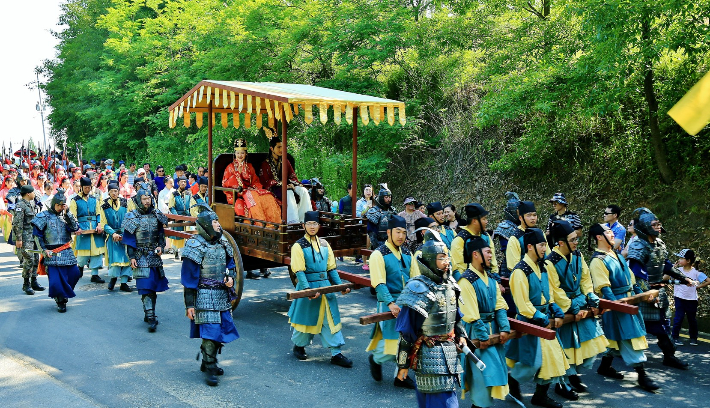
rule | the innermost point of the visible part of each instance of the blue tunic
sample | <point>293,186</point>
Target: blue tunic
<point>153,283</point>
<point>62,279</point>
<point>619,326</point>
<point>306,311</point>
<point>223,332</point>
<point>88,219</point>
<point>492,321</point>
<point>397,272</point>
<point>572,335</point>
<point>116,251</point>
<point>182,205</point>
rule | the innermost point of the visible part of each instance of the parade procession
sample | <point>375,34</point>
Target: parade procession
<point>363,204</point>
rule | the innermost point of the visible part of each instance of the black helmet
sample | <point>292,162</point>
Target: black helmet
<point>643,218</point>
<point>139,203</point>
<point>58,198</point>
<point>432,247</point>
<point>204,223</point>
<point>511,207</point>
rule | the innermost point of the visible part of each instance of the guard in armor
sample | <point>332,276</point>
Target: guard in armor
<point>200,198</point>
<point>571,284</point>
<point>179,204</point>
<point>648,260</point>
<point>112,212</point>
<point>430,329</point>
<point>531,358</point>
<point>53,229</point>
<point>626,333</point>
<point>378,216</point>
<point>389,271</point>
<point>484,314</point>
<point>436,211</point>
<point>24,241</point>
<point>476,224</point>
<point>208,273</point>
<point>89,248</point>
<point>505,230</point>
<point>144,237</point>
<point>515,250</point>
<point>422,225</point>
<point>313,262</point>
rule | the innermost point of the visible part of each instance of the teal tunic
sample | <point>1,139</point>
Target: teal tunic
<point>492,321</point>
<point>619,326</point>
<point>88,219</point>
<point>526,349</point>
<point>397,271</point>
<point>448,237</point>
<point>306,311</point>
<point>115,251</point>
<point>572,335</point>
<point>182,205</point>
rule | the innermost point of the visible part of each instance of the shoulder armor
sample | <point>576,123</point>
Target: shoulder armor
<point>639,250</point>
<point>194,249</point>
<point>162,218</point>
<point>227,246</point>
<point>130,222</point>
<point>417,296</point>
<point>40,220</point>
<point>417,286</point>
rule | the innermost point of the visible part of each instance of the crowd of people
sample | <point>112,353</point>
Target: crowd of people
<point>446,281</point>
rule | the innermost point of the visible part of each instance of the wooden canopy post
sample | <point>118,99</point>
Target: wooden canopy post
<point>210,123</point>
<point>353,192</point>
<point>284,167</point>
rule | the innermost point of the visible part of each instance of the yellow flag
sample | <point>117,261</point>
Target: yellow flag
<point>692,112</point>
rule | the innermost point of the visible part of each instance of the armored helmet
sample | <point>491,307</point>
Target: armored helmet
<point>432,247</point>
<point>380,199</point>
<point>511,207</point>
<point>58,198</point>
<point>204,223</point>
<point>139,202</point>
<point>643,218</point>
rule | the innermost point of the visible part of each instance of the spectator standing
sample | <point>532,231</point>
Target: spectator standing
<point>364,204</point>
<point>686,297</point>
<point>559,203</point>
<point>345,205</point>
<point>159,178</point>
<point>611,218</point>
<point>164,195</point>
<point>411,215</point>
<point>452,219</point>
<point>131,173</point>
<point>148,172</point>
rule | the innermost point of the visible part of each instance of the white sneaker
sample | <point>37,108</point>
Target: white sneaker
<point>693,342</point>
<point>677,342</point>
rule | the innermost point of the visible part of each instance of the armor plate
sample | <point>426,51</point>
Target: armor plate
<point>55,227</point>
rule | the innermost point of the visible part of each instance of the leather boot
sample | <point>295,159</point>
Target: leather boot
<point>375,369</point>
<point>252,275</point>
<point>36,286</point>
<point>27,288</point>
<point>218,370</point>
<point>61,304</point>
<point>112,283</point>
<point>300,353</point>
<point>577,384</point>
<point>265,272</point>
<point>514,388</point>
<point>674,362</point>
<point>607,370</point>
<point>97,279</point>
<point>153,321</point>
<point>125,288</point>
<point>565,392</point>
<point>644,381</point>
<point>209,359</point>
<point>81,272</point>
<point>541,399</point>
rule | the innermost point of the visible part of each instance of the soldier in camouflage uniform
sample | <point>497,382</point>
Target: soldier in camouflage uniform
<point>208,273</point>
<point>24,241</point>
<point>648,259</point>
<point>430,328</point>
<point>53,229</point>
<point>13,197</point>
<point>144,237</point>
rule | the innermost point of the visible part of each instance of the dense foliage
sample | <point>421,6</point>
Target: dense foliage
<point>536,96</point>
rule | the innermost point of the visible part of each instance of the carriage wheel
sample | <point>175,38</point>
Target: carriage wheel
<point>239,279</point>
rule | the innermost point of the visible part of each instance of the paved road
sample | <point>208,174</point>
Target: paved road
<point>100,354</point>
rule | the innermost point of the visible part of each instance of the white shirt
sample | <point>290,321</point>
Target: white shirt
<point>689,292</point>
<point>163,198</point>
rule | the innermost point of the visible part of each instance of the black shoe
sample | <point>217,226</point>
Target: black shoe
<point>217,370</point>
<point>406,383</point>
<point>130,279</point>
<point>153,325</point>
<point>645,382</point>
<point>61,305</point>
<point>545,401</point>
<point>577,384</point>
<point>375,369</point>
<point>112,283</point>
<point>27,289</point>
<point>81,272</point>
<point>300,353</point>
<point>177,258</point>
<point>565,393</point>
<point>36,286</point>
<point>340,360</point>
<point>514,388</point>
<point>674,362</point>
<point>252,275</point>
<point>125,288</point>
<point>97,279</point>
<point>609,371</point>
<point>265,272</point>
<point>211,377</point>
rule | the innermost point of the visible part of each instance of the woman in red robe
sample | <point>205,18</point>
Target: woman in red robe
<point>252,200</point>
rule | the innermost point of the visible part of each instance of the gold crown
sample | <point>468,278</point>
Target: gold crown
<point>240,145</point>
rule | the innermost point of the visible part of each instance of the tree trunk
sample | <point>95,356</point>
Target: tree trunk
<point>659,149</point>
